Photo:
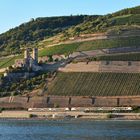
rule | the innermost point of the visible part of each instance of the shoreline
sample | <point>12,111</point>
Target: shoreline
<point>26,115</point>
<point>57,119</point>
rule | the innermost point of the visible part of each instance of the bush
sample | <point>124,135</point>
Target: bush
<point>1,109</point>
<point>136,109</point>
<point>109,116</point>
<point>32,115</point>
<point>56,105</point>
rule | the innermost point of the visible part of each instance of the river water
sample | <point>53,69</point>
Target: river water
<point>69,130</point>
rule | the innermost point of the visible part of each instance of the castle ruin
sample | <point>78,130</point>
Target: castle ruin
<point>30,60</point>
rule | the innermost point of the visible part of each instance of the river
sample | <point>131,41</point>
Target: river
<point>69,130</point>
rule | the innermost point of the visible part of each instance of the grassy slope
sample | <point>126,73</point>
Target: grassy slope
<point>6,62</point>
<point>121,20</point>
<point>91,45</point>
<point>27,34</point>
<point>129,17</point>
<point>95,84</point>
<point>82,46</point>
<point>107,23</point>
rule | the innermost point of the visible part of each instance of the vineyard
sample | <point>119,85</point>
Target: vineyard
<point>95,84</point>
<point>81,46</point>
<point>121,20</point>
<point>121,57</point>
<point>91,45</point>
<point>6,62</point>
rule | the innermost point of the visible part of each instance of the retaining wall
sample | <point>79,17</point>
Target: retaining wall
<point>62,101</point>
<point>103,66</point>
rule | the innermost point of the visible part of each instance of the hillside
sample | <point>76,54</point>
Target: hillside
<point>35,30</point>
<point>91,45</point>
<point>95,84</point>
<point>86,46</point>
<point>119,26</point>
<point>65,35</point>
<point>115,22</point>
<point>122,23</point>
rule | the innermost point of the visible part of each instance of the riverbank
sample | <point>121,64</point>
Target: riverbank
<point>68,114</point>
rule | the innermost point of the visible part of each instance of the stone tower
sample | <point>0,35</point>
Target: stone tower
<point>35,55</point>
<point>27,54</point>
<point>27,58</point>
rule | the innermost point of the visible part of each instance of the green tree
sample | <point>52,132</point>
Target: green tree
<point>50,58</point>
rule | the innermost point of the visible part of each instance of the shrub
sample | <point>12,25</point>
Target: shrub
<point>32,115</point>
<point>1,109</point>
<point>56,105</point>
<point>109,116</point>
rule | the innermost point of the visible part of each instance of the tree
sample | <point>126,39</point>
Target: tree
<point>13,87</point>
<point>77,31</point>
<point>50,58</point>
<point>10,69</point>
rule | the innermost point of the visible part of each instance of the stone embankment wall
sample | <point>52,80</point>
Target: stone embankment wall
<point>62,101</point>
<point>103,66</point>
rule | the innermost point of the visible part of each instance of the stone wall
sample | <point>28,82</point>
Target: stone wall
<point>58,101</point>
<point>132,101</point>
<point>105,102</point>
<point>81,102</point>
<point>81,67</point>
<point>103,66</point>
<point>62,101</point>
<point>120,66</point>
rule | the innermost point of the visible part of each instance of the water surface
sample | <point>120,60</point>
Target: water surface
<point>69,130</point>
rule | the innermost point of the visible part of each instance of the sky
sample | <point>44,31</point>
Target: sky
<point>16,12</point>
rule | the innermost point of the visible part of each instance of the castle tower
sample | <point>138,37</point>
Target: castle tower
<point>27,53</point>
<point>27,58</point>
<point>35,55</point>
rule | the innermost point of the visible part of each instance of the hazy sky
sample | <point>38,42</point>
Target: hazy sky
<point>15,12</point>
